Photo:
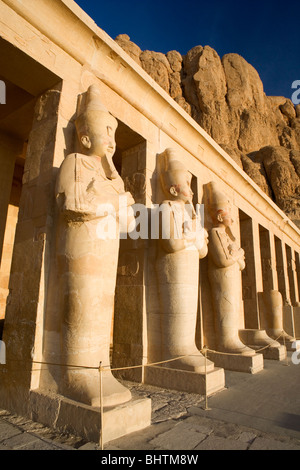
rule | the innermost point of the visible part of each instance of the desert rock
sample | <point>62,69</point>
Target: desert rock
<point>226,98</point>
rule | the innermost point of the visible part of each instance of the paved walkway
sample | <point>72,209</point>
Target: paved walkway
<point>254,412</point>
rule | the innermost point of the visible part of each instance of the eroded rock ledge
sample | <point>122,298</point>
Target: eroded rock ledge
<point>226,97</point>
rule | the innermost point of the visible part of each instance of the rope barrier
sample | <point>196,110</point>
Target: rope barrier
<point>111,369</point>
<point>256,350</point>
<point>102,369</point>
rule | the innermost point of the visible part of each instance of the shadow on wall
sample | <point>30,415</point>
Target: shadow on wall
<point>1,328</point>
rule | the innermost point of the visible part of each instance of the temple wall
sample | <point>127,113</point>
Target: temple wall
<point>63,52</point>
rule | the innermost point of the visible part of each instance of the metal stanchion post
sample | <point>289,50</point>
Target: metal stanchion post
<point>287,359</point>
<point>101,406</point>
<point>143,372</point>
<point>206,408</point>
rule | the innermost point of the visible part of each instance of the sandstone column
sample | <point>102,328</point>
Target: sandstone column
<point>251,275</point>
<point>268,259</point>
<point>296,309</point>
<point>282,271</point>
<point>256,332</point>
<point>130,344</point>
<point>297,261</point>
<point>23,333</point>
<point>9,149</point>
<point>292,275</point>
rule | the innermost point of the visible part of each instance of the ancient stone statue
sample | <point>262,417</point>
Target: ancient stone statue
<point>225,261</point>
<point>180,247</point>
<point>274,316</point>
<point>88,195</point>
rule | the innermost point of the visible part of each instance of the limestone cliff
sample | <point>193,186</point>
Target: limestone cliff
<point>226,97</point>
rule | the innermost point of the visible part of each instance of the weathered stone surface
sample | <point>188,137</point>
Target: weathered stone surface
<point>175,60</point>
<point>226,97</point>
<point>257,172</point>
<point>249,126</point>
<point>210,82</point>
<point>7,431</point>
<point>182,436</point>
<point>158,67</point>
<point>262,443</point>
<point>175,86</point>
<point>130,47</point>
<point>234,153</point>
<point>281,166</point>
<point>220,443</point>
<point>288,110</point>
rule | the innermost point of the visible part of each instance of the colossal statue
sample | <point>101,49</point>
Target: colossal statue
<point>181,244</point>
<point>274,316</point>
<point>225,261</point>
<point>88,196</point>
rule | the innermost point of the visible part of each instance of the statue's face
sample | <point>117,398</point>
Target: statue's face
<point>224,217</point>
<point>97,135</point>
<point>182,190</point>
<point>100,141</point>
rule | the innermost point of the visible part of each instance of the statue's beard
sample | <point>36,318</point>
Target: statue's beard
<point>109,167</point>
<point>230,234</point>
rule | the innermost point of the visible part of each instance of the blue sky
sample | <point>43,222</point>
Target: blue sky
<point>266,33</point>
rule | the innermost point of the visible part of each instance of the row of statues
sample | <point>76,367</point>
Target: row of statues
<point>87,264</point>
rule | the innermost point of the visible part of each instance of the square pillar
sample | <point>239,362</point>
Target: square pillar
<point>282,271</point>
<point>292,274</point>
<point>10,147</point>
<point>24,322</point>
<point>129,342</point>
<point>251,275</point>
<point>297,261</point>
<point>268,259</point>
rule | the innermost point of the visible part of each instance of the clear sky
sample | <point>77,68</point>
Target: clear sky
<point>266,33</point>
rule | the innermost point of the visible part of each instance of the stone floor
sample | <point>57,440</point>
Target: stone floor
<point>254,412</point>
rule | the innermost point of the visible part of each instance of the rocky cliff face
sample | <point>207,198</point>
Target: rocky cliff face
<point>226,97</point>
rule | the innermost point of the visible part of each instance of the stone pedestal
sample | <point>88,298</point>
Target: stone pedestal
<point>296,311</point>
<point>66,415</point>
<point>237,362</point>
<point>261,342</point>
<point>185,381</point>
<point>286,342</point>
<point>288,319</point>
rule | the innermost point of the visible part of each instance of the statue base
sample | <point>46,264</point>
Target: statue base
<point>259,341</point>
<point>296,330</point>
<point>289,319</point>
<point>185,381</point>
<point>289,344</point>
<point>237,362</point>
<point>66,415</point>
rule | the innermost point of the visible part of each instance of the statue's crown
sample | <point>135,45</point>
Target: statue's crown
<point>89,105</point>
